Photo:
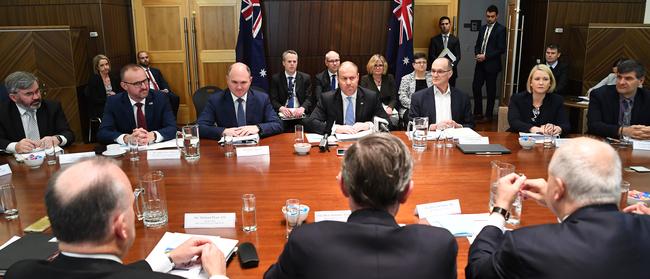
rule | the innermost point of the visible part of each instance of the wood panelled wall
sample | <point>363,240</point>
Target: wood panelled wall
<point>543,16</point>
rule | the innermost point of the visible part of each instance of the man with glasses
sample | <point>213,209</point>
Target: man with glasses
<point>326,80</point>
<point>137,113</point>
<point>441,103</point>
<point>26,120</point>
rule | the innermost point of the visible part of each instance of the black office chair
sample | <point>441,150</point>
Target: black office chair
<point>200,97</point>
<point>4,95</point>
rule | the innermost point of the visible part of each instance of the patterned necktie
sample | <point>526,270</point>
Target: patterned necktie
<point>290,91</point>
<point>333,83</point>
<point>32,126</point>
<point>627,112</point>
<point>153,81</point>
<point>241,115</point>
<point>141,121</point>
<point>349,113</point>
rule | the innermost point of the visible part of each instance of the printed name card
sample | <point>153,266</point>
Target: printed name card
<point>74,157</point>
<point>474,140</point>
<point>332,215</point>
<point>641,145</point>
<point>438,208</point>
<point>5,169</point>
<point>252,151</point>
<point>163,154</point>
<point>209,220</point>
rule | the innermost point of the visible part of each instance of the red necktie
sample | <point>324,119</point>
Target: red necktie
<point>150,77</point>
<point>142,122</point>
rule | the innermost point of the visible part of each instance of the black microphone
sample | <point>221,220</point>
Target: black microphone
<point>323,145</point>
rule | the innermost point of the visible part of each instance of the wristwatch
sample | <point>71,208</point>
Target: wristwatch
<point>502,211</point>
<point>59,138</point>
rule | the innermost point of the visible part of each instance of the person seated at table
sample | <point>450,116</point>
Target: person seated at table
<point>101,84</point>
<point>375,178</point>
<point>326,80</point>
<point>610,79</point>
<point>380,81</point>
<point>290,91</point>
<point>238,110</point>
<point>621,110</point>
<point>90,207</point>
<point>349,109</point>
<point>139,112</point>
<point>417,80</point>
<point>593,239</point>
<point>444,105</point>
<point>26,120</point>
<point>538,109</point>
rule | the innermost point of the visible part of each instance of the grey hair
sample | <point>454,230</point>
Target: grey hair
<point>19,81</point>
<point>588,178</point>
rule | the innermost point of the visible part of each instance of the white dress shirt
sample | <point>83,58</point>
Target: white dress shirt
<point>443,104</point>
<point>11,147</point>
<point>120,139</point>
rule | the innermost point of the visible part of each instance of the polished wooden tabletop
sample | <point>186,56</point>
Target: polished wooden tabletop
<point>215,184</point>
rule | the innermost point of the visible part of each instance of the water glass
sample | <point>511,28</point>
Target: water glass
<point>248,213</point>
<point>418,128</point>
<point>515,212</point>
<point>8,204</point>
<point>188,136</point>
<point>292,214</point>
<point>134,154</point>
<point>625,189</point>
<point>151,201</point>
<point>228,147</point>
<point>50,151</point>
<point>299,134</point>
<point>549,141</point>
<point>499,169</point>
<point>449,140</point>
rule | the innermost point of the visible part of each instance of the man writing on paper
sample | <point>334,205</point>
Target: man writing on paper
<point>350,108</point>
<point>447,45</point>
<point>140,112</point>
<point>90,206</point>
<point>238,111</point>
<point>441,103</point>
<point>592,239</point>
<point>375,178</point>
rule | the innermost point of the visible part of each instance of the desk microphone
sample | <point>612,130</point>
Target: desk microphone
<point>323,145</point>
<point>381,125</point>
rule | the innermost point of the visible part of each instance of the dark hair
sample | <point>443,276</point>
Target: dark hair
<point>492,9</point>
<point>443,18</point>
<point>618,61</point>
<point>86,216</point>
<point>128,67</point>
<point>376,170</point>
<point>555,47</point>
<point>629,66</point>
<point>419,55</point>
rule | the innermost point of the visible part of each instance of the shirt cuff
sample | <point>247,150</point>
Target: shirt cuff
<point>11,148</point>
<point>160,263</point>
<point>159,137</point>
<point>218,277</point>
<point>120,139</point>
<point>63,140</point>
<point>497,220</point>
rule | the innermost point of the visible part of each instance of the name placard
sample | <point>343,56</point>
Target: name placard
<point>74,157</point>
<point>252,151</point>
<point>438,208</point>
<point>332,215</point>
<point>5,169</point>
<point>163,154</point>
<point>209,220</point>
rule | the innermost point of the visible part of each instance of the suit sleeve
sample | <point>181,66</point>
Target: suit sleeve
<point>515,117</point>
<point>309,97</point>
<point>162,83</point>
<point>61,126</point>
<point>468,116</point>
<point>379,109</point>
<point>492,255</point>
<point>274,94</point>
<point>272,124</point>
<point>107,132</point>
<point>316,121</point>
<point>286,265</point>
<point>500,44</point>
<point>562,79</point>
<point>415,110</point>
<point>168,125</point>
<point>479,40</point>
<point>318,87</point>
<point>456,51</point>
<point>595,123</point>
<point>208,122</point>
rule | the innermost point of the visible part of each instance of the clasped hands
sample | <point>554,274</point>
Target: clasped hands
<point>637,131</point>
<point>347,129</point>
<point>27,145</point>
<point>144,137</point>
<point>444,125</point>
<point>209,256</point>
<point>241,131</point>
<point>292,113</point>
<point>547,129</point>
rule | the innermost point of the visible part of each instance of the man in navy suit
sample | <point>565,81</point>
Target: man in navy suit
<point>593,239</point>
<point>139,112</point>
<point>294,101</point>
<point>157,82</point>
<point>349,109</point>
<point>446,40</point>
<point>326,80</point>
<point>559,68</point>
<point>490,45</point>
<point>441,103</point>
<point>375,178</point>
<point>238,110</point>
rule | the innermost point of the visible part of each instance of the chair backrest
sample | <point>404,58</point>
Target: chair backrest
<point>4,95</point>
<point>503,124</point>
<point>200,97</point>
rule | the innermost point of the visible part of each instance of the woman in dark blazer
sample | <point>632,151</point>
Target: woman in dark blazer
<point>101,84</point>
<point>382,83</point>
<point>538,110</point>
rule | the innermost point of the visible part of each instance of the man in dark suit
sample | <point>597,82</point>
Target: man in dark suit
<point>375,177</point>
<point>446,40</point>
<point>139,112</point>
<point>621,110</point>
<point>26,120</point>
<point>238,110</point>
<point>90,207</point>
<point>290,90</point>
<point>560,69</point>
<point>490,45</point>
<point>349,109</point>
<point>593,239</point>
<point>326,80</point>
<point>441,103</point>
<point>157,82</point>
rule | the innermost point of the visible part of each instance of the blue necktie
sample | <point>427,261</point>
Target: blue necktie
<point>241,116</point>
<point>349,113</point>
<point>333,83</point>
<point>290,99</point>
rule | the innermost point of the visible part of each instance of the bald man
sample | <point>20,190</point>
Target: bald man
<point>592,239</point>
<point>350,109</point>
<point>326,80</point>
<point>90,206</point>
<point>238,110</point>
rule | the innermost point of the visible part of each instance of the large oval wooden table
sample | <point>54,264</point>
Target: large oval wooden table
<point>216,183</point>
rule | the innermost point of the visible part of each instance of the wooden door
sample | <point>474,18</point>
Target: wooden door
<point>425,25</point>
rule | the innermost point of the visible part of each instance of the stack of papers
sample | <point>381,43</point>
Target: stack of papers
<point>316,138</point>
<point>539,138</point>
<point>170,240</point>
<point>353,137</point>
<point>245,140</point>
<point>457,133</point>
<point>447,215</point>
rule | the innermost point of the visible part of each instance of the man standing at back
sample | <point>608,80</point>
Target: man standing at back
<point>446,41</point>
<point>157,82</point>
<point>375,177</point>
<point>490,45</point>
<point>592,239</point>
<point>560,69</point>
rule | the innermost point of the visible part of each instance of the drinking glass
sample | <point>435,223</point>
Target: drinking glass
<point>292,214</point>
<point>248,213</point>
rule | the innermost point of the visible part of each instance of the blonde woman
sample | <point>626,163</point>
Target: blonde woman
<point>379,81</point>
<point>101,84</point>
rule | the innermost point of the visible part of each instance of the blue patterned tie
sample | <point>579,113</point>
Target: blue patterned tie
<point>290,89</point>
<point>349,113</point>
<point>241,116</point>
<point>333,83</point>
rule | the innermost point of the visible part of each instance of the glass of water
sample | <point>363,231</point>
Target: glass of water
<point>292,214</point>
<point>133,149</point>
<point>248,213</point>
<point>8,203</point>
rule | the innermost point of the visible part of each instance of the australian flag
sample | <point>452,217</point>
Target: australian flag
<point>399,48</point>
<point>250,43</point>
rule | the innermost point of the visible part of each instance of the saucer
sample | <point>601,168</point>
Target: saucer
<point>114,152</point>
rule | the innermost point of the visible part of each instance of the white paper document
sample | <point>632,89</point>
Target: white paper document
<point>479,140</point>
<point>244,140</point>
<point>332,215</point>
<point>641,144</point>
<point>352,137</point>
<point>170,240</point>
<point>209,220</point>
<point>460,224</point>
<point>163,154</point>
<point>457,133</point>
<point>74,157</point>
<point>438,208</point>
<point>252,151</point>
<point>162,145</point>
<point>5,169</point>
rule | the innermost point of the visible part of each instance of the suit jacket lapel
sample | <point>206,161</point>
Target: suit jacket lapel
<point>433,104</point>
<point>128,110</point>
<point>149,113</point>
<point>227,107</point>
<point>360,106</point>
<point>284,86</point>
<point>297,82</point>
<point>15,116</point>
<point>251,105</point>
<point>338,107</point>
<point>41,118</point>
